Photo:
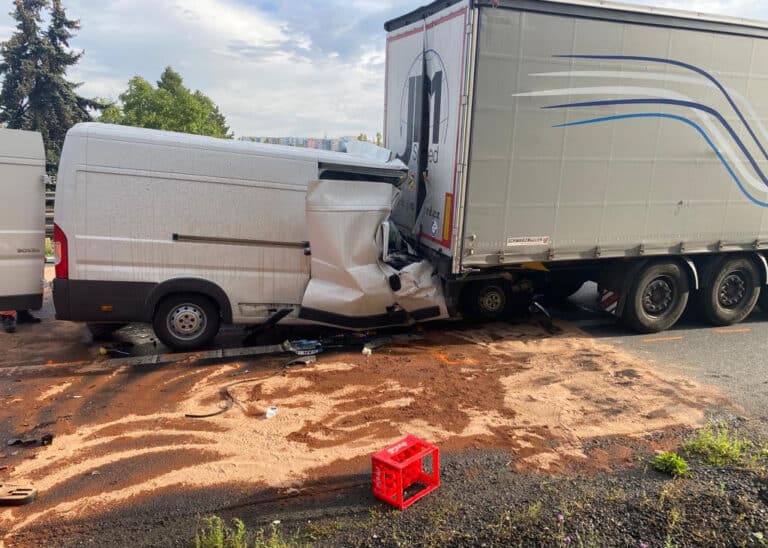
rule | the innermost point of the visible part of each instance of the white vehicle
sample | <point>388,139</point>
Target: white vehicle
<point>22,219</point>
<point>189,232</point>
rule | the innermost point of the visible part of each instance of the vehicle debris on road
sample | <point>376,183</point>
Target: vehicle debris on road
<point>271,412</point>
<point>16,495</point>
<point>45,439</point>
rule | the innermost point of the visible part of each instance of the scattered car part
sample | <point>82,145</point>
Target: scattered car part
<point>271,412</point>
<point>45,439</point>
<point>302,360</point>
<point>16,495</point>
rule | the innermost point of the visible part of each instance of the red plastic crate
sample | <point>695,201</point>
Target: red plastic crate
<point>397,469</point>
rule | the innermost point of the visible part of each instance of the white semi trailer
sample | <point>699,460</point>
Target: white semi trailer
<point>553,142</point>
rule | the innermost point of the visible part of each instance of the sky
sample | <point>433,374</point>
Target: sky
<point>275,67</point>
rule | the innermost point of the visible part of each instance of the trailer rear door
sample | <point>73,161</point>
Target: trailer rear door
<point>425,89</point>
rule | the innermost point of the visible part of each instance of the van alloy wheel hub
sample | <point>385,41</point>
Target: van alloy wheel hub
<point>732,290</point>
<point>187,321</point>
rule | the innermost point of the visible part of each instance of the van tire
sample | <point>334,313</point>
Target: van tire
<point>657,298</point>
<point>731,293</point>
<point>186,321</point>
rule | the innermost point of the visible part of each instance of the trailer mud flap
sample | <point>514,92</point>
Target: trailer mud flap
<point>350,286</point>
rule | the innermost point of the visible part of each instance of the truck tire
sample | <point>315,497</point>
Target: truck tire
<point>657,298</point>
<point>732,292</point>
<point>486,301</point>
<point>186,321</point>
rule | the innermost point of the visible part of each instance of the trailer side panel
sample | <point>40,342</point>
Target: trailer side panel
<point>594,138</point>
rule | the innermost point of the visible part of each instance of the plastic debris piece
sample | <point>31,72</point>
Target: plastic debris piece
<point>45,439</point>
<point>302,360</point>
<point>16,495</point>
<point>367,351</point>
<point>271,413</point>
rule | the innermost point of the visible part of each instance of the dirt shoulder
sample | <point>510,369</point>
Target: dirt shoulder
<point>122,439</point>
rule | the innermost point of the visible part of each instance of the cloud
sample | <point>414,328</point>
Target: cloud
<point>275,67</point>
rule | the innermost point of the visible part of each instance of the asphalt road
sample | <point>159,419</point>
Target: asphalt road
<point>735,358</point>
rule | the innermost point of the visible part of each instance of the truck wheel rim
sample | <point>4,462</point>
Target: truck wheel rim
<point>732,290</point>
<point>658,296</point>
<point>491,301</point>
<point>187,321</point>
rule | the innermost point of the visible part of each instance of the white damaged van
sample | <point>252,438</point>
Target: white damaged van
<point>22,219</point>
<point>190,232</point>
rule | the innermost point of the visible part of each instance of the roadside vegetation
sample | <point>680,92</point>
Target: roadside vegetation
<point>215,533</point>
<point>719,445</point>
<point>672,464</point>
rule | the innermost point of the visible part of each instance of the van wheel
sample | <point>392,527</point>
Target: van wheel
<point>732,293</point>
<point>486,301</point>
<point>657,298</point>
<point>186,321</point>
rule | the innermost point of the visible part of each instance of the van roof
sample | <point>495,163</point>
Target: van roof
<point>603,9</point>
<point>185,140</point>
<point>16,143</point>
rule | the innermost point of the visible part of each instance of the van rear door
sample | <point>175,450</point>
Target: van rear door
<point>22,219</point>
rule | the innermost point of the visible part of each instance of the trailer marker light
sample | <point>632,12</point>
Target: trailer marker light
<point>107,308</point>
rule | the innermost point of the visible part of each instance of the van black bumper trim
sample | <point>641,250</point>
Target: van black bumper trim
<point>21,302</point>
<point>82,300</point>
<point>367,322</point>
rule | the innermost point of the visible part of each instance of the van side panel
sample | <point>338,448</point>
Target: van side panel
<point>22,220</point>
<point>145,213</point>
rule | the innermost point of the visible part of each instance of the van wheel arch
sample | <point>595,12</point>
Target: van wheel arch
<point>189,285</point>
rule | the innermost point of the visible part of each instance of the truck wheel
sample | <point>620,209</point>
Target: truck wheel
<point>732,293</point>
<point>486,301</point>
<point>186,321</point>
<point>657,298</point>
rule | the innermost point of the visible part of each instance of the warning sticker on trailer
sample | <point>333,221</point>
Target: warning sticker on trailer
<point>528,241</point>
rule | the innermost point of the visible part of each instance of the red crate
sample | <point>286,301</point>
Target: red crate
<point>409,463</point>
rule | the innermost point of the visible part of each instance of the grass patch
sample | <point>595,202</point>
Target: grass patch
<point>215,533</point>
<point>716,445</point>
<point>672,464</point>
<point>48,247</point>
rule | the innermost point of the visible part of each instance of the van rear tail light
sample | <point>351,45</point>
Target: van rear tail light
<point>61,253</point>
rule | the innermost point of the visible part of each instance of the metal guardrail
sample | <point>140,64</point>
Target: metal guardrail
<point>49,198</point>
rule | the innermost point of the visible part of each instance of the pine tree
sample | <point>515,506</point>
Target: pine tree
<point>36,94</point>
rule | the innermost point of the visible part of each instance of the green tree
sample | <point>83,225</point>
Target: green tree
<point>379,140</point>
<point>36,94</point>
<point>169,106</point>
<point>362,137</point>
